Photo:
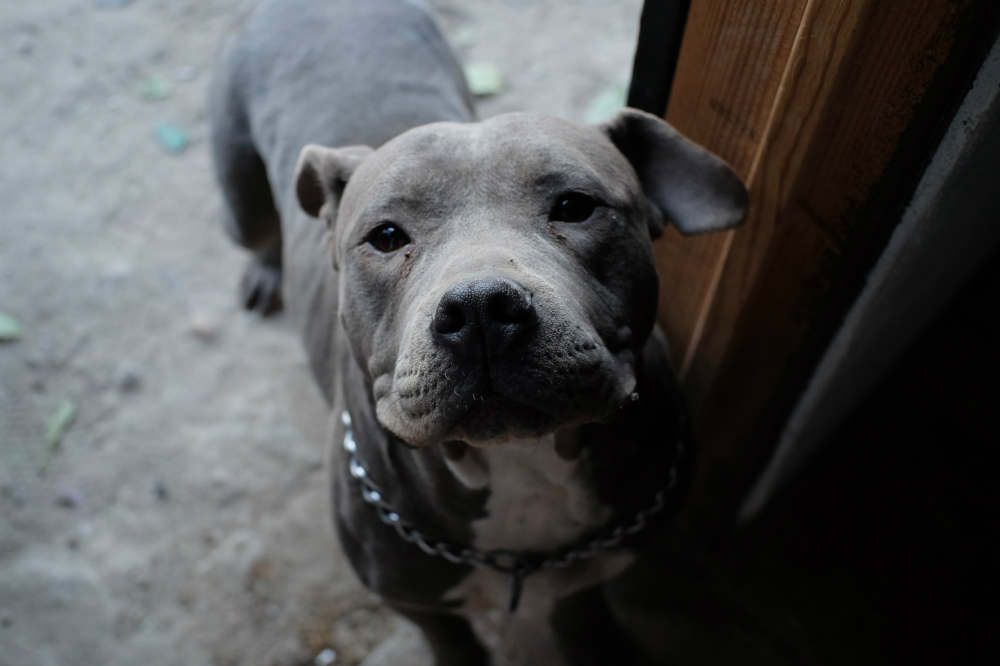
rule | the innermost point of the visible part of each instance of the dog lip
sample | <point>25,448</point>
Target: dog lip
<point>487,393</point>
<point>532,405</point>
<point>481,388</point>
<point>528,418</point>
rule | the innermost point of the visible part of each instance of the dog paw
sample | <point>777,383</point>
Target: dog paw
<point>260,288</point>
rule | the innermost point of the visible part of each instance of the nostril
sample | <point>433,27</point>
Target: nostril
<point>509,306</point>
<point>449,318</point>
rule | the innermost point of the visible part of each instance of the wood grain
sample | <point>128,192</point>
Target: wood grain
<point>728,74</point>
<point>808,101</point>
<point>823,43</point>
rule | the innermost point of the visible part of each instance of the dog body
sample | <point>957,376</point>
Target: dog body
<point>480,299</point>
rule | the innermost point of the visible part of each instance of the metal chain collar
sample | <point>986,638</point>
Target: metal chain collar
<point>517,565</point>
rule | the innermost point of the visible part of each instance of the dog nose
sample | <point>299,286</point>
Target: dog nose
<point>483,316</point>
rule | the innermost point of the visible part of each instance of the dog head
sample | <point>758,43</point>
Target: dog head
<point>497,278</point>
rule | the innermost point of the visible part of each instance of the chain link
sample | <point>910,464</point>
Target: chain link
<point>507,562</point>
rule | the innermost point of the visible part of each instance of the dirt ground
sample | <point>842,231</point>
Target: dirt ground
<point>182,516</point>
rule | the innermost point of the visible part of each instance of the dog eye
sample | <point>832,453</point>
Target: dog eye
<point>573,207</point>
<point>387,237</point>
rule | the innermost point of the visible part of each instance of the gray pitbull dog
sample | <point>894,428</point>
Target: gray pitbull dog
<point>478,301</point>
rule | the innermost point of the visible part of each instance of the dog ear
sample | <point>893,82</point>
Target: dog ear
<point>322,174</point>
<point>688,185</point>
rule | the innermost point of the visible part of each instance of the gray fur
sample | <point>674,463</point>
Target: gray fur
<point>356,113</point>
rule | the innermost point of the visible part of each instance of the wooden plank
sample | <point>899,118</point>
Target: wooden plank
<point>855,73</point>
<point>727,78</point>
<point>824,43</point>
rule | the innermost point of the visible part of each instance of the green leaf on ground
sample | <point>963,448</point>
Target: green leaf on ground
<point>58,423</point>
<point>10,328</point>
<point>483,78</point>
<point>172,138</point>
<point>154,89</point>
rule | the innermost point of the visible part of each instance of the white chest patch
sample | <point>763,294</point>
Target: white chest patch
<point>538,502</point>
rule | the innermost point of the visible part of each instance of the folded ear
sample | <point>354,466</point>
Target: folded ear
<point>690,186</point>
<point>322,174</point>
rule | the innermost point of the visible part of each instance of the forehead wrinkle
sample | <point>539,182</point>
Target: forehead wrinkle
<point>417,186</point>
<point>541,160</point>
<point>408,206</point>
<point>569,177</point>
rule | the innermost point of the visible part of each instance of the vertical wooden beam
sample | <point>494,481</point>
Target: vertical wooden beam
<point>822,46</point>
<point>808,101</point>
<point>727,78</point>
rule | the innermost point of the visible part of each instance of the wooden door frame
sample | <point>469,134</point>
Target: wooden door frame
<point>829,109</point>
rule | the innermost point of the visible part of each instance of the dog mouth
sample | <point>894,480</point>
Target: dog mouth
<point>490,416</point>
<point>532,396</point>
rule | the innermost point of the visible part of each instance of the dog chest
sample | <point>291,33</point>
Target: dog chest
<point>537,500</point>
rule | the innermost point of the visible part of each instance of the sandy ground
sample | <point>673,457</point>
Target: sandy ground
<point>182,518</point>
